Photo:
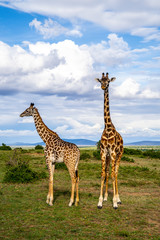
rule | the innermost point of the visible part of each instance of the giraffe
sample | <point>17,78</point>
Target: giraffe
<point>111,148</point>
<point>56,151</point>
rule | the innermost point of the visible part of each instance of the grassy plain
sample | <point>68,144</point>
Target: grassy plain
<point>25,214</point>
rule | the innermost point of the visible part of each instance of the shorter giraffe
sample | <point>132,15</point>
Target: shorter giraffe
<point>56,151</point>
<point>111,147</point>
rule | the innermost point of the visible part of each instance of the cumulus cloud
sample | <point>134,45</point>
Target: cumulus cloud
<point>52,29</point>
<point>75,128</point>
<point>53,68</point>
<point>67,68</point>
<point>114,52</point>
<point>130,88</point>
<point>58,68</point>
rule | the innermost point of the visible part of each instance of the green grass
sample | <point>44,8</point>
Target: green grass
<point>25,214</point>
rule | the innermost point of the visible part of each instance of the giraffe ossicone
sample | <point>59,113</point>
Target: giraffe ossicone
<point>56,150</point>
<point>111,148</point>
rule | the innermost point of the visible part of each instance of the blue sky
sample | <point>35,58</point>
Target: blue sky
<point>51,52</point>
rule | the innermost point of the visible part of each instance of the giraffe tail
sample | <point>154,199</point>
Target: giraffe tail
<point>76,167</point>
<point>77,176</point>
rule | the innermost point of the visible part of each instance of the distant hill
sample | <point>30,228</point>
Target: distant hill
<point>86,142</point>
<point>79,142</point>
<point>144,143</point>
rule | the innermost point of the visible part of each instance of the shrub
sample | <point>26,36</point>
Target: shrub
<point>37,147</point>
<point>127,159</point>
<point>5,147</point>
<point>98,145</point>
<point>84,156</point>
<point>97,155</point>
<point>61,166</point>
<point>152,153</point>
<point>131,151</point>
<point>146,153</point>
<point>18,170</point>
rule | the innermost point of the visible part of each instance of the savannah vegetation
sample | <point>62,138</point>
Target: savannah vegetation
<point>24,186</point>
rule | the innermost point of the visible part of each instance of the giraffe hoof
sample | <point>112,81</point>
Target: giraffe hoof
<point>119,202</point>
<point>76,204</point>
<point>115,208</point>
<point>99,207</point>
<point>70,204</point>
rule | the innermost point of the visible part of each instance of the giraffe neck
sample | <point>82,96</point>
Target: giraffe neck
<point>107,118</point>
<point>43,131</point>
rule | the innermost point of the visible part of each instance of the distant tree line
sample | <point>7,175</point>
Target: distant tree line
<point>5,147</point>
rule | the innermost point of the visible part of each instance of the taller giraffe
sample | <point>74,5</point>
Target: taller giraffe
<point>56,151</point>
<point>111,148</point>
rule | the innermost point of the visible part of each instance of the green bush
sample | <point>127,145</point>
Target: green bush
<point>5,147</point>
<point>97,155</point>
<point>127,159</point>
<point>152,153</point>
<point>131,151</point>
<point>18,170</point>
<point>84,156</point>
<point>61,166</point>
<point>20,174</point>
<point>146,153</point>
<point>37,147</point>
<point>98,145</point>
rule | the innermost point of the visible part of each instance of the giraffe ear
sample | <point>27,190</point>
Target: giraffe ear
<point>112,79</point>
<point>97,79</point>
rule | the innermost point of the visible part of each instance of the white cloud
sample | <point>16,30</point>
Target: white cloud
<point>114,52</point>
<point>75,128</point>
<point>26,120</point>
<point>66,68</point>
<point>52,29</point>
<point>130,88</point>
<point>52,68</point>
<point>148,93</point>
<point>59,68</point>
<point>114,15</point>
<point>16,133</point>
<point>150,33</point>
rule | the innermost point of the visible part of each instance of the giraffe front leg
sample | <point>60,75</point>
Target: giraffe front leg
<point>51,168</point>
<point>100,202</point>
<point>107,177</point>
<point>117,195</point>
<point>106,191</point>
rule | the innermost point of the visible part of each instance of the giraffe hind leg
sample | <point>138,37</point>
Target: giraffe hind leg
<point>113,175</point>
<point>72,192</point>
<point>116,175</point>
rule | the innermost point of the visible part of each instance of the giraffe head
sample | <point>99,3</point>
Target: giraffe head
<point>29,111</point>
<point>105,81</point>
